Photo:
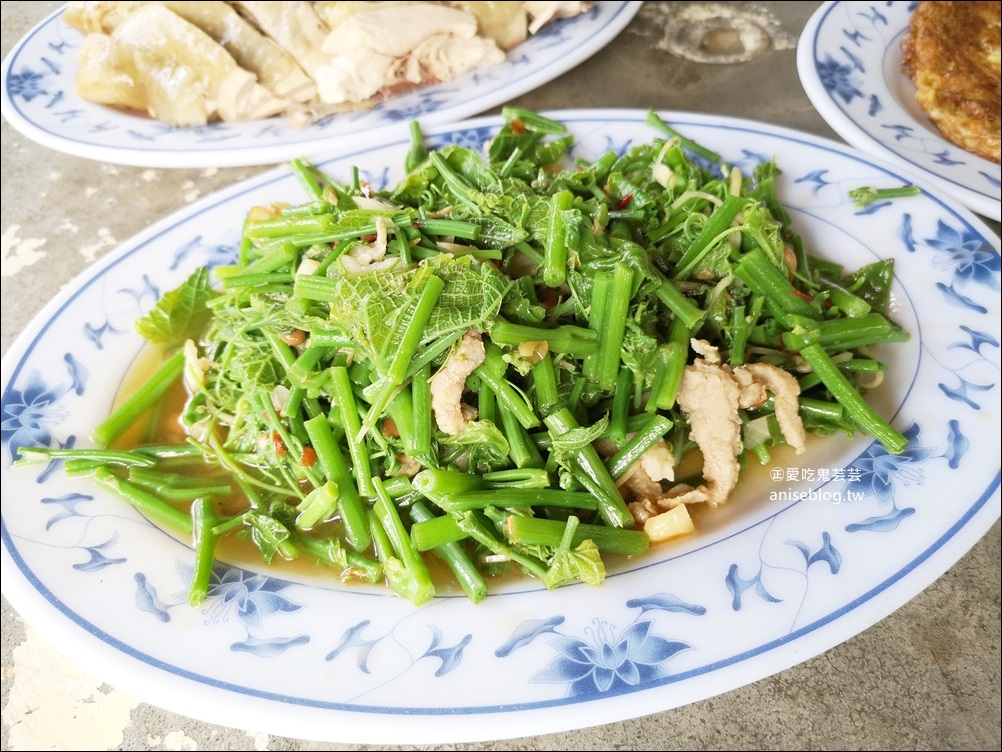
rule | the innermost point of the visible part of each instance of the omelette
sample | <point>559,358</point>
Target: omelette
<point>951,50</point>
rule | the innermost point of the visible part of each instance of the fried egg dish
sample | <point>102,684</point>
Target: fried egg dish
<point>951,51</point>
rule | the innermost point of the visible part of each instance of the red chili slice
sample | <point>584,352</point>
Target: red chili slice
<point>623,202</point>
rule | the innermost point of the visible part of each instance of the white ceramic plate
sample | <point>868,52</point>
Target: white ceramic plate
<point>849,60</point>
<point>796,563</point>
<point>40,101</point>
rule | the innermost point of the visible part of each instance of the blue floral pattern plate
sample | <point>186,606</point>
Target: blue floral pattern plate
<point>849,61</point>
<point>40,101</point>
<point>808,552</point>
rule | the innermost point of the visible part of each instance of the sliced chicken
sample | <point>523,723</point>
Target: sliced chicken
<point>310,59</point>
<point>709,398</point>
<point>752,392</point>
<point>370,257</point>
<point>658,461</point>
<point>98,16</point>
<point>380,49</point>
<point>107,74</point>
<point>444,57</point>
<point>505,22</point>
<point>785,400</point>
<point>294,26</point>
<point>275,68</point>
<point>542,12</point>
<point>449,382</point>
<point>711,394</point>
<point>334,12</point>
<point>156,61</point>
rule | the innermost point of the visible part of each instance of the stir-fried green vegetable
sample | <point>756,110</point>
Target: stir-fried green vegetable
<point>482,362</point>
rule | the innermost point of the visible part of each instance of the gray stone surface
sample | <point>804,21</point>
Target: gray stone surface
<point>925,677</point>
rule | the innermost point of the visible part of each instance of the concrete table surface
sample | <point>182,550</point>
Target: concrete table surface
<point>925,677</point>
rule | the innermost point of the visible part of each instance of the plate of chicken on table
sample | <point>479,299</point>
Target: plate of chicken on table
<point>228,84</point>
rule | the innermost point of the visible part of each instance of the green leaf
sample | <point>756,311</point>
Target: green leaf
<point>520,305</point>
<point>496,233</point>
<point>568,444</point>
<point>181,313</point>
<point>584,562</point>
<point>763,230</point>
<point>472,167</point>
<point>873,283</point>
<point>368,304</point>
<point>268,534</point>
<point>484,445</point>
<point>250,363</point>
